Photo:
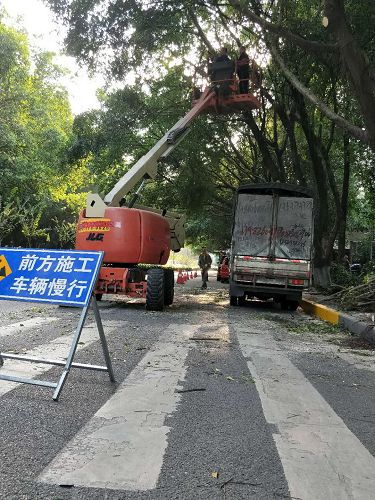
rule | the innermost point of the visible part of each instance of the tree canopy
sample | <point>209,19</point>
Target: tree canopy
<point>38,187</point>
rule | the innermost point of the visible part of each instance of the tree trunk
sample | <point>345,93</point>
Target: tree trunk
<point>356,65</point>
<point>268,162</point>
<point>344,198</point>
<point>324,231</point>
<point>289,129</point>
<point>322,276</point>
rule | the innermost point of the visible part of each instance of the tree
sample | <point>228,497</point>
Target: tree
<point>36,181</point>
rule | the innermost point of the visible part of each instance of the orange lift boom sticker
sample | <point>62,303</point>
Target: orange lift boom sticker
<point>94,225</point>
<point>5,269</point>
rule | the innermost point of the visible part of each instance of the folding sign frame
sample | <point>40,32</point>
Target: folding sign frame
<point>69,363</point>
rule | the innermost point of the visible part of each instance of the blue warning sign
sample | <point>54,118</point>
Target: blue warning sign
<point>55,276</point>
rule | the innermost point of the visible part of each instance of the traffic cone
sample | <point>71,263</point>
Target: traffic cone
<point>180,278</point>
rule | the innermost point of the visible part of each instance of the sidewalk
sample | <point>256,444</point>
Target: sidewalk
<point>357,324</point>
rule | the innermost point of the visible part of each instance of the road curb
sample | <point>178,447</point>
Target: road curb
<point>360,328</point>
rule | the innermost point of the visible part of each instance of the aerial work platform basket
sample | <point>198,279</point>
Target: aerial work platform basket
<point>224,91</point>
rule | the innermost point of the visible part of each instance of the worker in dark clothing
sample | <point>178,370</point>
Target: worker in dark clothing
<point>222,72</point>
<point>243,71</point>
<point>204,263</point>
<point>223,55</point>
<point>209,61</point>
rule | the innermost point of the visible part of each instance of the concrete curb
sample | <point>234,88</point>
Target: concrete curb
<point>364,330</point>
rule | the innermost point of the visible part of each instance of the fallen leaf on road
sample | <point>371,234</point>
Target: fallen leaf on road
<point>215,474</point>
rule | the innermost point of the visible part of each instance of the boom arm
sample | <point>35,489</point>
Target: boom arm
<point>146,167</point>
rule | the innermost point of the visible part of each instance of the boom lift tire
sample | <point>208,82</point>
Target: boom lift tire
<point>155,290</point>
<point>168,287</point>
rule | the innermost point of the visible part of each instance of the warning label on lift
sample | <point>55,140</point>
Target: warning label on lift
<point>94,225</point>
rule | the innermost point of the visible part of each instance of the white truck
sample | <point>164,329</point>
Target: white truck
<point>272,239</point>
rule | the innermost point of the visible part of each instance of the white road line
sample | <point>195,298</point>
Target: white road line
<point>28,324</point>
<point>322,458</point>
<point>123,445</point>
<point>55,349</point>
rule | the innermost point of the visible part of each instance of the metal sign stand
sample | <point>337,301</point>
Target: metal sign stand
<point>68,364</point>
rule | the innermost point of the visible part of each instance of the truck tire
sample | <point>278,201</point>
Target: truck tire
<point>293,305</point>
<point>155,290</point>
<point>289,305</point>
<point>168,287</point>
<point>242,300</point>
<point>233,300</point>
<point>237,301</point>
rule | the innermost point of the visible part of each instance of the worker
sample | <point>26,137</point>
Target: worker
<point>243,71</point>
<point>222,73</point>
<point>209,62</point>
<point>223,55</point>
<point>204,263</point>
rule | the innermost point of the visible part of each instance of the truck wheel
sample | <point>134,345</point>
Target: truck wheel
<point>168,287</point>
<point>292,305</point>
<point>242,300</point>
<point>233,300</point>
<point>289,305</point>
<point>155,290</point>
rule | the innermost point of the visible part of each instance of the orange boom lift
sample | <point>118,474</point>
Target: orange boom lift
<point>130,235</point>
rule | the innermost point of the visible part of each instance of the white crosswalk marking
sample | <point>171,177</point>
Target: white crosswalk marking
<point>322,458</point>
<point>28,324</point>
<point>56,349</point>
<point>123,445</point>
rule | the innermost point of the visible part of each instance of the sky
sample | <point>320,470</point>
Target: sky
<point>44,33</point>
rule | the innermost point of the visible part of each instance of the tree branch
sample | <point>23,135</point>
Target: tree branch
<point>201,33</point>
<point>309,45</point>
<point>353,130</point>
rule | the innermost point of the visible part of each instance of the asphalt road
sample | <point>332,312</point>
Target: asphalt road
<point>210,402</point>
